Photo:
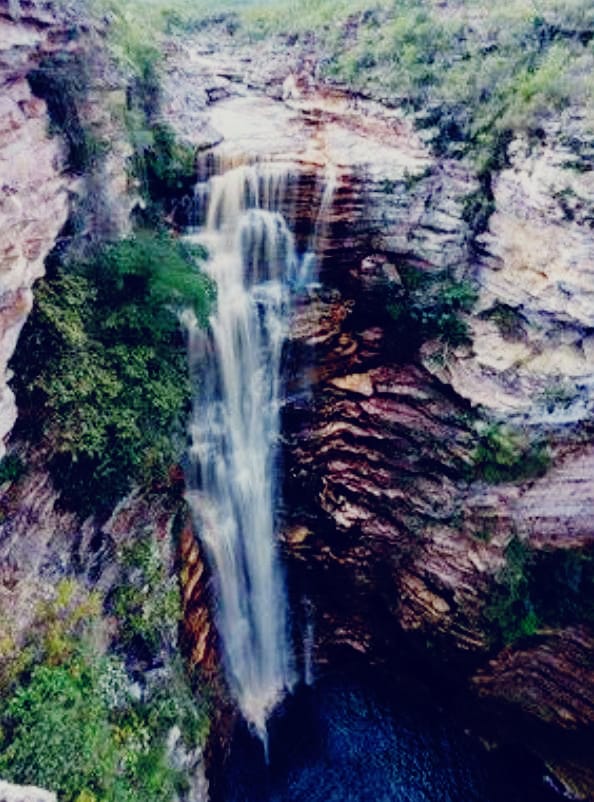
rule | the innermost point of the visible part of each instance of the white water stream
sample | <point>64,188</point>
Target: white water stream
<point>235,426</point>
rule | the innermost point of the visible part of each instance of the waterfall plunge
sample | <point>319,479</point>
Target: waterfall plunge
<point>235,427</point>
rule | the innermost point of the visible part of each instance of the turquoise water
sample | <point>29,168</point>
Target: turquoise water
<point>344,741</point>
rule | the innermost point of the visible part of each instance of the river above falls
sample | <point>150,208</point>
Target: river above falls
<point>343,741</point>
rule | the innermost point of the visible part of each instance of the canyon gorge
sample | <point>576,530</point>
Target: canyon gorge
<point>412,347</point>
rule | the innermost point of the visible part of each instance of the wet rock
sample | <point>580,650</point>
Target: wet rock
<point>551,678</point>
<point>197,626</point>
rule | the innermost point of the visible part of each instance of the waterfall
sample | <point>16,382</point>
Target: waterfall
<point>308,643</point>
<point>235,426</point>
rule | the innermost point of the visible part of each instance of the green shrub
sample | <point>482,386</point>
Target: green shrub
<point>173,703</point>
<point>510,611</point>
<point>11,469</point>
<point>62,81</point>
<point>508,320</point>
<point>428,305</point>
<point>60,731</point>
<point>505,455</point>
<point>69,723</point>
<point>57,733</point>
<point>478,208</point>
<point>102,355</point>
<point>165,167</point>
<point>147,603</point>
<point>558,395</point>
<point>538,589</point>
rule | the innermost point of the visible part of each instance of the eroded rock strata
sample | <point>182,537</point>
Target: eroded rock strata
<point>391,527</point>
<point>391,530</point>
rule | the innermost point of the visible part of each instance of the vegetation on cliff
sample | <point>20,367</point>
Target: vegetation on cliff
<point>71,721</point>
<point>540,590</point>
<point>425,305</point>
<point>472,73</point>
<point>102,366</point>
<point>94,701</point>
<point>505,454</point>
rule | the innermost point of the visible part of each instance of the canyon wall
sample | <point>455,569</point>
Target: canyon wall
<point>396,534</point>
<point>392,534</point>
<point>34,202</point>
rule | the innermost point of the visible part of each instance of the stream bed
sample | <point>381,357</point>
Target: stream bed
<point>345,741</point>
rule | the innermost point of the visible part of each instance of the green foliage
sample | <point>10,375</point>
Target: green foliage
<point>172,703</point>
<point>11,469</point>
<point>170,164</point>
<point>68,721</point>
<point>103,356</point>
<point>508,320</point>
<point>478,208</point>
<point>558,395</point>
<point>56,732</point>
<point>511,613</point>
<point>62,81</point>
<point>147,603</point>
<point>505,455</point>
<point>473,74</point>
<point>165,167</point>
<point>59,626</point>
<point>427,305</point>
<point>60,731</point>
<point>540,589</point>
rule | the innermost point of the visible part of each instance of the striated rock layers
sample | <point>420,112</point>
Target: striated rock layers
<point>393,537</point>
<point>33,188</point>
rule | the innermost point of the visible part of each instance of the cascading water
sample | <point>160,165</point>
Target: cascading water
<point>235,426</point>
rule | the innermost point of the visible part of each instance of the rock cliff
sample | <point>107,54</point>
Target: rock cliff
<point>392,530</point>
<point>34,192</point>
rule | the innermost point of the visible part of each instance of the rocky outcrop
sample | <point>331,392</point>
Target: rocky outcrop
<point>33,191</point>
<point>551,678</point>
<point>24,793</point>
<point>532,355</point>
<point>390,530</point>
<point>42,544</point>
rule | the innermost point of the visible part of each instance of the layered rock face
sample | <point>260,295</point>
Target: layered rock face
<point>533,354</point>
<point>390,531</point>
<point>34,190</point>
<point>41,544</point>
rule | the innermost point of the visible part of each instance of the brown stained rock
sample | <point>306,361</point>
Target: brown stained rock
<point>551,678</point>
<point>198,632</point>
<point>576,779</point>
